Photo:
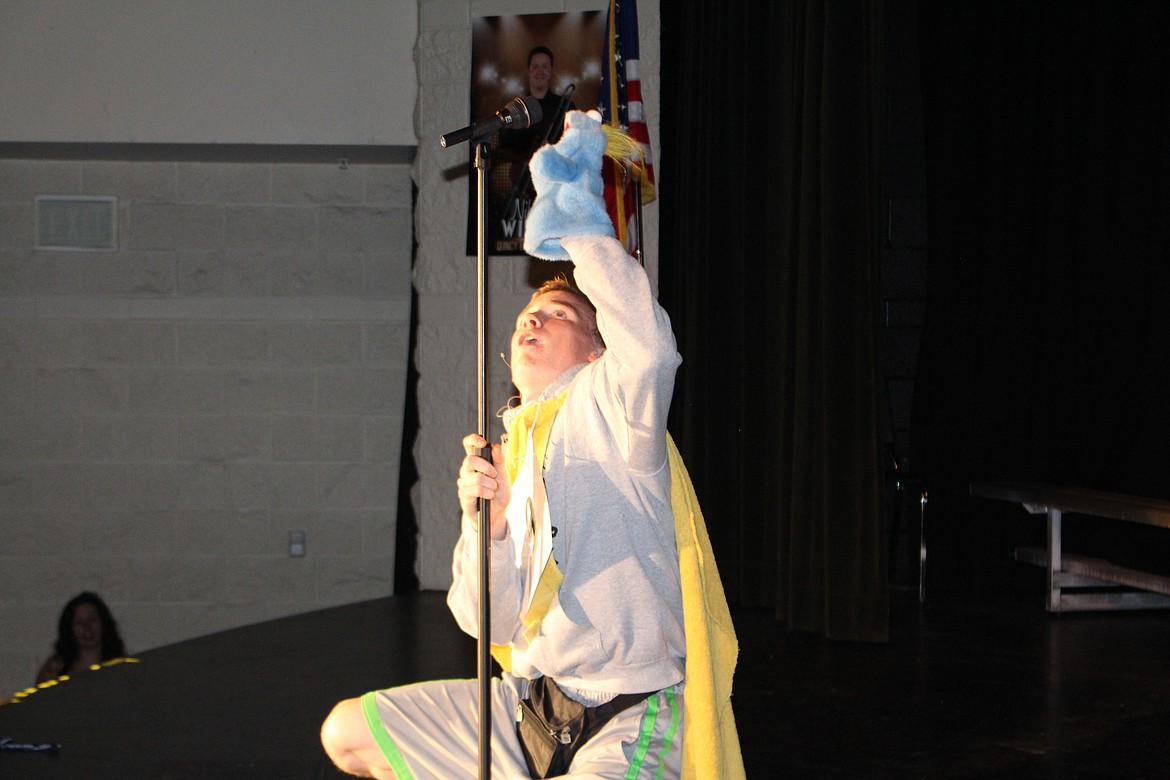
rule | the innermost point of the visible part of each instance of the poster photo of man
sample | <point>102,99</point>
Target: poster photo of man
<point>553,60</point>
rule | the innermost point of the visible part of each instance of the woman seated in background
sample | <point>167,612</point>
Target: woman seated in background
<point>87,634</point>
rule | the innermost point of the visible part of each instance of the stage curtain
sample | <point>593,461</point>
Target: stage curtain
<point>1045,347</point>
<point>769,203</point>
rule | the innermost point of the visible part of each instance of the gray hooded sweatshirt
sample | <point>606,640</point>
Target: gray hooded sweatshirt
<point>616,625</point>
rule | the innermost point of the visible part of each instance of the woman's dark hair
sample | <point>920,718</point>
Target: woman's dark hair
<point>66,644</point>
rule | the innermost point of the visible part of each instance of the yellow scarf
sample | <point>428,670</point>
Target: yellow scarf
<point>537,419</point>
<point>711,748</point>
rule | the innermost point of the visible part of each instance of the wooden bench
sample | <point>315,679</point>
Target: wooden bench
<point>1108,585</point>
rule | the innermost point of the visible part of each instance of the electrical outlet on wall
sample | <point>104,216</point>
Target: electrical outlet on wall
<point>296,544</point>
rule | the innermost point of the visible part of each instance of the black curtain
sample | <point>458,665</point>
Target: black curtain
<point>1046,346</point>
<point>768,267</point>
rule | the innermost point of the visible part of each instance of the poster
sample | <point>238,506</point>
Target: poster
<point>515,56</point>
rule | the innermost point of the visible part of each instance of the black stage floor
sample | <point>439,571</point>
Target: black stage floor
<point>961,691</point>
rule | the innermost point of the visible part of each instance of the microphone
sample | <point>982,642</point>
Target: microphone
<point>519,114</point>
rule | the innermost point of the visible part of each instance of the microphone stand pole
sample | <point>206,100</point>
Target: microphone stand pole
<point>483,645</point>
<point>517,112</point>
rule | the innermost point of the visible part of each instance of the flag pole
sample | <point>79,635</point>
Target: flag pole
<point>638,221</point>
<point>621,107</point>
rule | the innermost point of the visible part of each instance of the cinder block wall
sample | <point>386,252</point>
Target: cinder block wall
<point>170,412</point>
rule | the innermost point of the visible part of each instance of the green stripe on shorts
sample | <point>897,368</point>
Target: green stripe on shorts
<point>644,739</point>
<point>668,737</point>
<point>385,743</point>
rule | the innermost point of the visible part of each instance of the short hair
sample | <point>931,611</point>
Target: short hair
<point>540,50</point>
<point>561,283</point>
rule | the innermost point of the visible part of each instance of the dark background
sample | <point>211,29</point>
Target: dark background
<point>840,180</point>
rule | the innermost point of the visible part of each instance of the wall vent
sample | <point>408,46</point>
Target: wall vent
<point>71,223</point>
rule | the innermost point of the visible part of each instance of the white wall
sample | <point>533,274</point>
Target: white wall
<point>208,71</point>
<point>235,370</point>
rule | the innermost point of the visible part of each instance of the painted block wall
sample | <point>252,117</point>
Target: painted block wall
<point>171,411</point>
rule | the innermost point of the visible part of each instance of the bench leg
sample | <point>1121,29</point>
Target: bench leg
<point>922,547</point>
<point>1054,563</point>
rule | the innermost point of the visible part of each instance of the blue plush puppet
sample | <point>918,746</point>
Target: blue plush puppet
<point>569,189</point>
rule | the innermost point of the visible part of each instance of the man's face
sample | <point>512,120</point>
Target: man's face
<point>553,333</point>
<point>539,74</point>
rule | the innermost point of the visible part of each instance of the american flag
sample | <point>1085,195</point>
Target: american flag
<point>621,106</point>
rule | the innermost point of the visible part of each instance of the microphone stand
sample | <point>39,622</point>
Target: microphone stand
<point>483,644</point>
<point>517,110</point>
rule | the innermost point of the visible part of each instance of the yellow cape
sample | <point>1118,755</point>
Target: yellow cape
<point>711,748</point>
<point>710,740</point>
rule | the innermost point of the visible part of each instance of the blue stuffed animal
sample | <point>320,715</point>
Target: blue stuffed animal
<point>569,191</point>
